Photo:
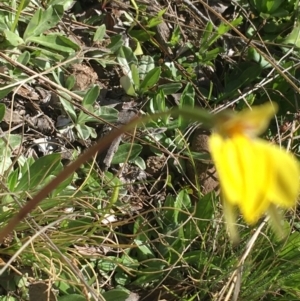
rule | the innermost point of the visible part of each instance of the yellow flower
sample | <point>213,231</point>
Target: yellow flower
<point>254,175</point>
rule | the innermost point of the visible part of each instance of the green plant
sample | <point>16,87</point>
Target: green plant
<point>80,119</point>
<point>106,235</point>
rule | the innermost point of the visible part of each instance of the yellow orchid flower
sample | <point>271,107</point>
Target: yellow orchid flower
<point>254,175</point>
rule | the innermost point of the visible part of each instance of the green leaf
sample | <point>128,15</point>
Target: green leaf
<point>135,76</point>
<point>150,79</point>
<point>250,74</point>
<point>169,215</point>
<point>206,35</point>
<point>84,118</point>
<point>158,104</point>
<point>170,88</point>
<point>204,211</point>
<point>141,35</point>
<point>126,57</point>
<point>12,180</point>
<point>7,285</point>
<point>91,96</point>
<point>85,132</point>
<point>99,34</point>
<point>56,42</point>
<point>148,275</point>
<point>41,57</point>
<point>115,295</point>
<point>64,286</point>
<point>72,297</point>
<point>69,108</point>
<point>208,56</point>
<point>62,187</point>
<point>2,111</point>
<point>106,113</point>
<point>176,36</point>
<point>182,202</point>
<point>140,163</point>
<point>157,19</point>
<point>294,37</point>
<point>186,100</point>
<point>197,258</point>
<point>224,28</point>
<point>59,77</point>
<point>257,57</point>
<point>116,43</point>
<point>127,151</point>
<point>13,140</point>
<point>127,85</point>
<point>38,172</point>
<point>146,64</point>
<point>42,21</point>
<point>138,50</point>
<point>267,6</point>
<point>121,278</point>
<point>188,96</point>
<point>4,91</point>
<point>154,22</point>
<point>107,264</point>
<point>144,249</point>
<point>24,58</point>
<point>11,39</point>
<point>70,82</point>
<point>140,222</point>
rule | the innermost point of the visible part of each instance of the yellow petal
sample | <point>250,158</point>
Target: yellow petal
<point>257,178</point>
<point>228,167</point>
<point>285,185</point>
<point>243,168</point>
<point>247,122</point>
